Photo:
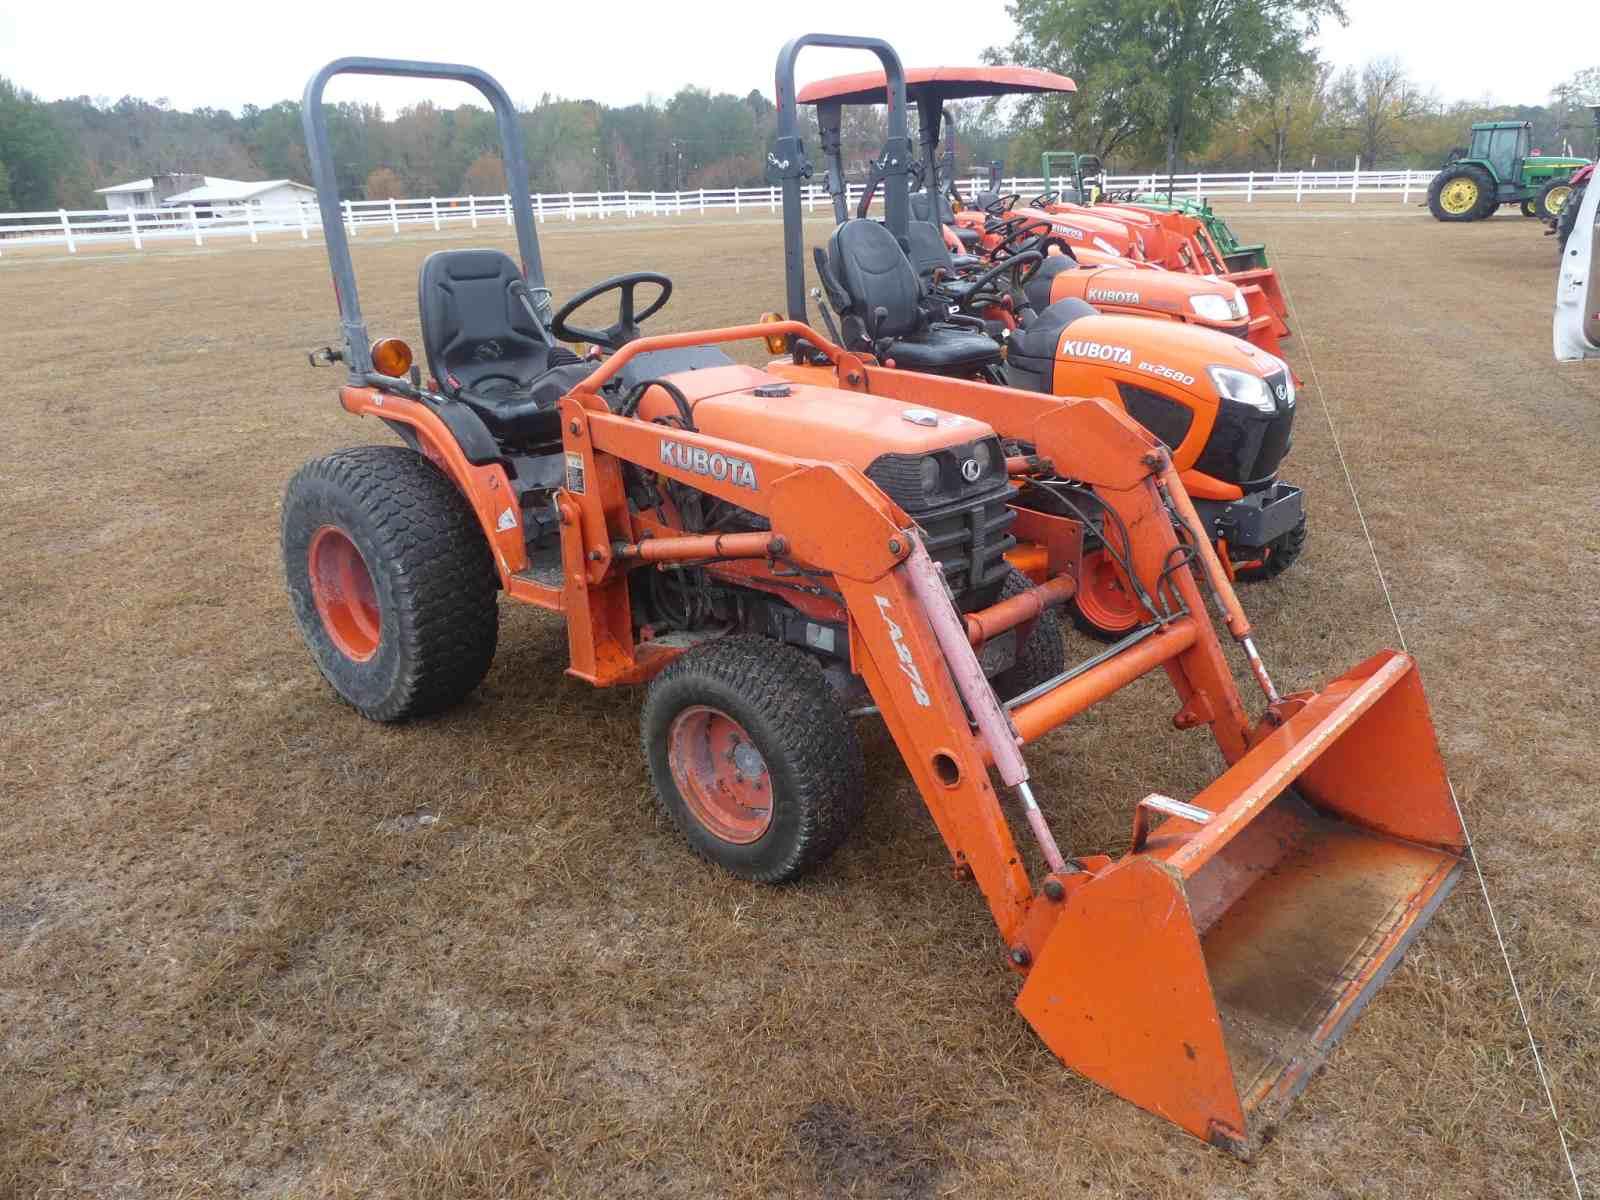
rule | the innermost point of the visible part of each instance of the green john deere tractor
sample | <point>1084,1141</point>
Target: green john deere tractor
<point>1499,169</point>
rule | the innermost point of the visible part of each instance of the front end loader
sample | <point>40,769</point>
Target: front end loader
<point>709,529</point>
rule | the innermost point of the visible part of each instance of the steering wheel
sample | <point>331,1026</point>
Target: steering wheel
<point>1043,200</point>
<point>972,291</point>
<point>1008,229</point>
<point>1019,234</point>
<point>626,327</point>
<point>1003,203</point>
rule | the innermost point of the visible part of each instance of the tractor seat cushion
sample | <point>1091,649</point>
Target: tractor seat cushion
<point>969,237</point>
<point>527,412</point>
<point>944,349</point>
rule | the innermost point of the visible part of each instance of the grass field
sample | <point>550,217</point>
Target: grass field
<point>253,945</point>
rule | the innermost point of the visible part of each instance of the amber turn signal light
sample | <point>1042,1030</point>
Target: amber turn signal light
<point>777,343</point>
<point>391,357</point>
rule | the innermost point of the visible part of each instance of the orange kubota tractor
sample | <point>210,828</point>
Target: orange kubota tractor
<point>1099,229</point>
<point>1091,257</point>
<point>772,557</point>
<point>1222,405</point>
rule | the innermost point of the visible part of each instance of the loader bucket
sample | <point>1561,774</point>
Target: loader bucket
<point>1245,258</point>
<point>1207,974</point>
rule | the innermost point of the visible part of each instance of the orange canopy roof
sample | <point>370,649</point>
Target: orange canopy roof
<point>943,83</point>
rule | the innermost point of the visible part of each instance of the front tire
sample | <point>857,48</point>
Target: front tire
<point>1553,199</point>
<point>1461,194</point>
<point>390,580</point>
<point>753,758</point>
<point>1105,607</point>
<point>1277,556</point>
<point>1043,656</point>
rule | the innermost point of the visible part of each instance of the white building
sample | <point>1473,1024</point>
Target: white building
<point>207,192</point>
<point>221,194</point>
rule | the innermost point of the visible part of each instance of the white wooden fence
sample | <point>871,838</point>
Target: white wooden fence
<point>200,223</point>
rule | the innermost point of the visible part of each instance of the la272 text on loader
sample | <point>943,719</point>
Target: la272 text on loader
<point>767,554</point>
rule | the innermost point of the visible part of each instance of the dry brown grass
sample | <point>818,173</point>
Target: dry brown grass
<point>236,962</point>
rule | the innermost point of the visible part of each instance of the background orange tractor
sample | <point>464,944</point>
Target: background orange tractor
<point>1223,406</point>
<point>772,556</point>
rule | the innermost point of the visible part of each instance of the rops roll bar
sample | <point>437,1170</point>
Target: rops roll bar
<point>358,350</point>
<point>788,166</point>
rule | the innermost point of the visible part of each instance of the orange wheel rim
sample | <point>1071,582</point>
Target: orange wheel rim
<point>341,587</point>
<point>720,774</point>
<point>1104,597</point>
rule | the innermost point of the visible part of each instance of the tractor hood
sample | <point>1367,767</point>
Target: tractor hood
<point>808,421</point>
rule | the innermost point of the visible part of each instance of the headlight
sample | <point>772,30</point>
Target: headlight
<point>985,454</point>
<point>1241,309</point>
<point>1246,389</point>
<point>1213,307</point>
<point>930,476</point>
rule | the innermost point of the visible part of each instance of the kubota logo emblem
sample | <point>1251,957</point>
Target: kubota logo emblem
<point>1105,296</point>
<point>1112,354</point>
<point>908,665</point>
<point>971,469</point>
<point>713,464</point>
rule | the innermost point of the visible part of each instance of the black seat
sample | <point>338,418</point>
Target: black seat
<point>487,350</point>
<point>887,310</point>
<point>928,251</point>
<point>1038,289</point>
<point>923,209</point>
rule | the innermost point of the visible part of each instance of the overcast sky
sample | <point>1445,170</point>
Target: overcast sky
<point>621,51</point>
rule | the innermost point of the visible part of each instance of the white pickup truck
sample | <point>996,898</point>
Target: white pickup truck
<point>1577,323</point>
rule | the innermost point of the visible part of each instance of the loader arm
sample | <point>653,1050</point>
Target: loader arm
<point>1206,974</point>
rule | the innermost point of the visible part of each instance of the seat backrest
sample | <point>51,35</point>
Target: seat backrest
<point>928,250</point>
<point>1038,289</point>
<point>935,208</point>
<point>875,273</point>
<point>473,325</point>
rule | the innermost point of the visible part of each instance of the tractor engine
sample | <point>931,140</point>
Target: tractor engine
<point>947,473</point>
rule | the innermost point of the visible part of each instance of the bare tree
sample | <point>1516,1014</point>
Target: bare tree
<point>1377,104</point>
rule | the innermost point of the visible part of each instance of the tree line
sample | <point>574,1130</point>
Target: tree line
<point>1238,85</point>
<point>56,153</point>
<point>1163,85</point>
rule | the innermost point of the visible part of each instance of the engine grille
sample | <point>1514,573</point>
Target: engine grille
<point>965,522</point>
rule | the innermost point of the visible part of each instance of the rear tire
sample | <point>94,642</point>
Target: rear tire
<point>390,580</point>
<point>1280,554</point>
<point>742,721</point>
<point>1043,656</point>
<point>1461,194</point>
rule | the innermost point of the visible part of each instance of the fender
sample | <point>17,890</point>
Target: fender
<point>485,485</point>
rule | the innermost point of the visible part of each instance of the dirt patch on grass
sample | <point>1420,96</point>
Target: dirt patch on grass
<point>253,945</point>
